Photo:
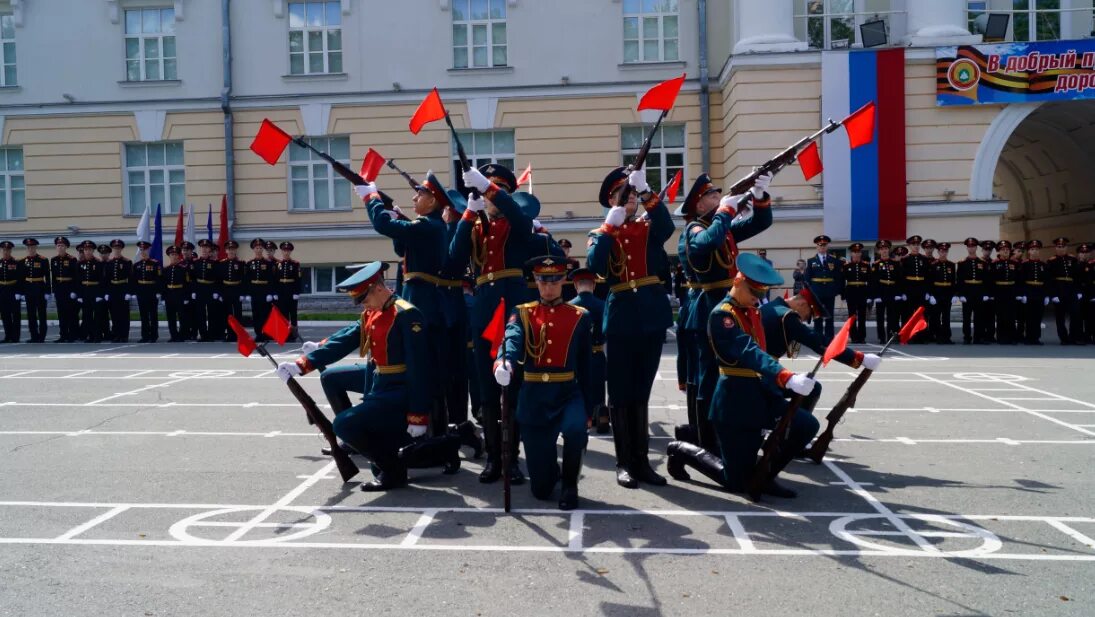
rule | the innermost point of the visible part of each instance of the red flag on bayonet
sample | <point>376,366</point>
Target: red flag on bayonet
<point>370,167</point>
<point>525,175</point>
<point>915,324</point>
<point>222,235</point>
<point>839,343</point>
<point>860,126</point>
<point>244,343</point>
<point>496,329</point>
<point>431,109</point>
<point>277,326</point>
<point>270,142</point>
<point>809,161</point>
<point>674,186</point>
<point>663,95</point>
<point>180,226</point>
<point>786,294</point>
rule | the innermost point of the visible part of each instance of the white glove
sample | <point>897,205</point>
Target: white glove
<point>18,296</point>
<point>185,302</point>
<point>216,296</point>
<point>986,298</point>
<point>106,297</point>
<point>927,296</point>
<point>536,225</point>
<point>1022,299</point>
<point>416,430</point>
<point>269,298</point>
<point>502,374</point>
<point>49,297</point>
<point>870,301</point>
<point>637,179</point>
<point>72,295</point>
<point>801,384</point>
<point>287,370</point>
<point>932,300</point>
<point>616,216</point>
<point>956,300</point>
<point>476,204</point>
<point>275,296</point>
<point>98,299</point>
<point>78,300</point>
<point>871,361</point>
<point>397,212</point>
<point>1055,300</point>
<point>248,298</point>
<point>158,297</point>
<point>476,180</point>
<point>1079,296</point>
<point>193,296</point>
<point>364,190</point>
<point>962,299</point>
<point>729,201</point>
<point>308,347</point>
<point>760,185</point>
<point>296,296</point>
<point>129,297</point>
<point>878,300</point>
<point>1045,301</point>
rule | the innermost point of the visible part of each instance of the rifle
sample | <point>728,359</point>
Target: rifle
<point>465,164</point>
<point>346,467</point>
<point>406,176</point>
<point>640,159</point>
<point>506,438</point>
<point>775,164</point>
<point>763,472</point>
<point>821,445</point>
<point>339,168</point>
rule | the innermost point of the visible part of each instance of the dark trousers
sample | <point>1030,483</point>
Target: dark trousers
<point>288,307</point>
<point>1068,310</point>
<point>887,318</point>
<point>1005,316</point>
<point>738,446</point>
<point>90,326</point>
<point>36,314</point>
<point>147,305</point>
<point>338,381</point>
<point>205,310</point>
<point>188,317</point>
<point>976,315</point>
<point>857,306</point>
<point>377,427</point>
<point>68,320</point>
<point>175,303</point>
<point>454,373</point>
<point>940,316</point>
<point>260,310</point>
<point>1032,317</point>
<point>119,315</point>
<point>230,305</point>
<point>915,299</point>
<point>540,449</point>
<point>10,314</point>
<point>490,394</point>
<point>631,366</point>
<point>823,326</point>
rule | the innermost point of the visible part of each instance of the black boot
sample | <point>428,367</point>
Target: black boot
<point>682,454</point>
<point>492,433</point>
<point>443,451</point>
<point>685,432</point>
<point>621,439</point>
<point>468,437</point>
<point>640,453</point>
<point>393,473</point>
<point>572,468</point>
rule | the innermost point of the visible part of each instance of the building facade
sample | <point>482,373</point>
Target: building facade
<point>109,107</point>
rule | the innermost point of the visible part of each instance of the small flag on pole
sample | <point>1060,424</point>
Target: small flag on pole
<point>190,231</point>
<point>431,110</point>
<point>663,95</point>
<point>277,326</point>
<point>860,126</point>
<point>496,329</point>
<point>209,223</point>
<point>244,343</point>
<point>809,161</point>
<point>180,225</point>
<point>526,176</point>
<point>839,342</point>
<point>915,324</point>
<point>222,235</point>
<point>142,227</point>
<point>270,142</point>
<point>157,238</point>
<point>370,167</point>
<point>674,186</point>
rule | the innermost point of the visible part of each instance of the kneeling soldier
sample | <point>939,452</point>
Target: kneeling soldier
<point>551,340</point>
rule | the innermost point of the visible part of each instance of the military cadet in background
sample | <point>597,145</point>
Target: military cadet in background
<point>188,323</point>
<point>1063,272</point>
<point>1034,283</point>
<point>987,248</point>
<point>927,248</point>
<point>459,378</point>
<point>118,276</point>
<point>1084,256</point>
<point>572,264</point>
<point>89,282</point>
<point>231,272</point>
<point>885,291</point>
<point>823,272</point>
<point>63,274</point>
<point>857,279</point>
<point>584,281</point>
<point>943,277</point>
<point>288,278</point>
<point>206,294</point>
<point>1017,257</point>
<point>176,278</point>
<point>550,339</point>
<point>914,283</point>
<point>35,289</point>
<point>1005,280</point>
<point>972,273</point>
<point>10,293</point>
<point>259,287</point>
<point>148,288</point>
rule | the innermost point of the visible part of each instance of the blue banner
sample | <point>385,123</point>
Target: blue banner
<point>1015,72</point>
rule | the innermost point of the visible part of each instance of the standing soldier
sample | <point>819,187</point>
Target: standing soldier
<point>63,274</point>
<point>1005,277</point>
<point>914,291</point>
<point>1017,249</point>
<point>102,309</point>
<point>885,290</point>
<point>584,281</point>
<point>550,339</point>
<point>857,279</point>
<point>188,315</point>
<point>231,272</point>
<point>118,276</point>
<point>972,273</point>
<point>1034,281</point>
<point>1064,269</point>
<point>89,280</point>
<point>35,289</point>
<point>627,252</point>
<point>259,288</point>
<point>10,293</point>
<point>459,378</point>
<point>927,247</point>
<point>206,295</point>
<point>288,277</point>
<point>1084,258</point>
<point>943,276</point>
<point>147,286</point>
<point>987,247</point>
<point>823,275</point>
<point>176,277</point>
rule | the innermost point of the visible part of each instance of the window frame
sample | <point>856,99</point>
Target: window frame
<point>1064,16</point>
<point>859,15</point>
<point>6,191</point>
<point>641,16</point>
<point>168,206</point>
<point>467,138</point>
<point>332,178</point>
<point>143,38</point>
<point>329,7</point>
<point>665,175</point>
<point>469,24</point>
<point>5,44</point>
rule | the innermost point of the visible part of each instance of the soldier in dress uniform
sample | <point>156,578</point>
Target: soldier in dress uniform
<point>206,295</point>
<point>231,272</point>
<point>1084,256</point>
<point>857,280</point>
<point>1005,279</point>
<point>118,275</point>
<point>148,287</point>
<point>708,247</point>
<point>176,277</point>
<point>10,293</point>
<point>914,285</point>
<point>35,289</point>
<point>288,277</point>
<point>63,276</point>
<point>189,315</point>
<point>89,282</point>
<point>987,248</point>
<point>972,273</point>
<point>750,396</point>
<point>627,251</point>
<point>1064,269</point>
<point>823,274</point>
<point>927,248</point>
<point>943,277</point>
<point>259,287</point>
<point>584,281</point>
<point>1034,282</point>
<point>1017,257</point>
<point>885,291</point>
<point>550,340</point>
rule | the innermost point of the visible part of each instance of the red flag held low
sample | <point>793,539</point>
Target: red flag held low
<point>915,324</point>
<point>270,142</point>
<point>370,167</point>
<point>222,235</point>
<point>860,126</point>
<point>277,326</point>
<point>810,161</point>
<point>839,343</point>
<point>674,186</point>
<point>525,175</point>
<point>180,225</point>
<point>431,110</point>
<point>663,95</point>
<point>496,329</point>
<point>244,343</point>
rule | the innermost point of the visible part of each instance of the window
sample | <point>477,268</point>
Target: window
<point>478,33</point>
<point>974,10</point>
<point>7,50</point>
<point>650,31</point>
<point>1036,20</point>
<point>13,203</point>
<point>315,38</point>
<point>322,279</point>
<point>155,176</point>
<point>666,155</point>
<point>150,45</point>
<point>484,147</point>
<point>313,185</point>
<point>834,24</point>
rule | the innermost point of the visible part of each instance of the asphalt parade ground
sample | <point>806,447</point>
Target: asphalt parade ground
<point>183,479</point>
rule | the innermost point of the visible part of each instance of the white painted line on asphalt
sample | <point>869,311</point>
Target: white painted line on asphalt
<point>79,529</point>
<point>745,543</point>
<point>894,520</point>
<point>576,531</point>
<point>73,375</point>
<point>1005,440</point>
<point>138,390</point>
<point>138,374</point>
<point>284,501</point>
<point>17,374</point>
<point>419,528</point>
<point>1072,533</point>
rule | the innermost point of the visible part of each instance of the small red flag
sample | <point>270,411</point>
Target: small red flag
<point>915,324</point>
<point>860,126</point>
<point>786,294</point>
<point>431,109</point>
<point>223,236</point>
<point>663,95</point>
<point>180,225</point>
<point>496,329</point>
<point>244,343</point>
<point>839,343</point>
<point>674,186</point>
<point>270,142</point>
<point>370,167</point>
<point>525,175</point>
<point>809,161</point>
<point>277,326</point>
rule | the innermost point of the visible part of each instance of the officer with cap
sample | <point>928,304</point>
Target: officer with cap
<point>750,396</point>
<point>1017,257</point>
<point>118,275</point>
<point>288,278</point>
<point>231,272</point>
<point>206,297</point>
<point>147,287</point>
<point>10,295</point>
<point>972,273</point>
<point>35,289</point>
<point>550,340</point>
<point>89,282</point>
<point>885,291</point>
<point>987,248</point>
<point>63,274</point>
<point>857,280</point>
<point>584,281</point>
<point>915,283</point>
<point>1034,281</point>
<point>1064,269</point>
<point>176,277</point>
<point>943,277</point>
<point>1005,279</point>
<point>823,274</point>
<point>259,287</point>
<point>102,308</point>
<point>572,264</point>
<point>189,327</point>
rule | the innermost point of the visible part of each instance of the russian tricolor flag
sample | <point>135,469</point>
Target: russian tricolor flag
<point>864,187</point>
